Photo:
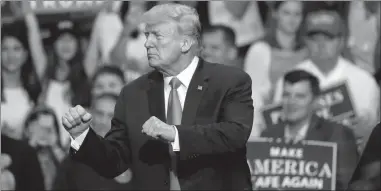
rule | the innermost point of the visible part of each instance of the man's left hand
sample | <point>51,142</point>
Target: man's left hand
<point>157,129</point>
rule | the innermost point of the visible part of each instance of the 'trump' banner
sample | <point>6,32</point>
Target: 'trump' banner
<point>336,102</point>
<point>275,165</point>
<point>49,6</point>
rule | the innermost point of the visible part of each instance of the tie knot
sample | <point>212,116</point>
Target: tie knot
<point>175,83</point>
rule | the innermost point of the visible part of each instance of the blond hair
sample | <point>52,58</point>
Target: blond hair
<point>186,18</point>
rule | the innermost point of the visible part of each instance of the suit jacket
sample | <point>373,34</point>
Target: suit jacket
<point>216,124</point>
<point>25,165</point>
<point>367,175</point>
<point>70,176</point>
<point>324,130</point>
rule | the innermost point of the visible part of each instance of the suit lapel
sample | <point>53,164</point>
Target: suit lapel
<point>196,89</point>
<point>314,131</point>
<point>155,95</point>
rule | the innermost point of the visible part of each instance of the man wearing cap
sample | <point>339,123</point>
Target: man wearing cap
<point>183,126</point>
<point>325,40</point>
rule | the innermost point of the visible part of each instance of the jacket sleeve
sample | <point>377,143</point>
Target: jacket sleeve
<point>109,156</point>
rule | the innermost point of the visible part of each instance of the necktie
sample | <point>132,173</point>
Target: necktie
<point>174,115</point>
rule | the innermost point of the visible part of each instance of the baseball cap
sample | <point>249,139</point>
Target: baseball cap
<point>328,22</point>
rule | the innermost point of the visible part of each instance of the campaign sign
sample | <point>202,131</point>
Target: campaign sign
<point>48,6</point>
<point>276,165</point>
<point>336,105</point>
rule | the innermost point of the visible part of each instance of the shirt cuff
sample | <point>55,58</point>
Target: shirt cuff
<point>175,144</point>
<point>76,143</point>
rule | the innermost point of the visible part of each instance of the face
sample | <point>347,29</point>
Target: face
<point>13,54</point>
<point>107,83</point>
<point>66,47</point>
<point>289,16</point>
<point>163,44</point>
<point>103,112</point>
<point>322,46</point>
<point>42,131</point>
<point>215,49</point>
<point>298,101</point>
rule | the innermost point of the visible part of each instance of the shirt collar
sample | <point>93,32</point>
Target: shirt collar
<point>301,133</point>
<point>336,71</point>
<point>185,76</point>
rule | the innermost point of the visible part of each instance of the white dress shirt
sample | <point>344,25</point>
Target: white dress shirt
<point>297,136</point>
<point>185,78</point>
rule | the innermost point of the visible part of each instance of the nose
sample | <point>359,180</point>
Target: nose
<point>148,43</point>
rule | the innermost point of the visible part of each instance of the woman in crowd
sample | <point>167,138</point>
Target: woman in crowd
<point>65,82</point>
<point>20,76</point>
<point>42,133</point>
<point>278,52</point>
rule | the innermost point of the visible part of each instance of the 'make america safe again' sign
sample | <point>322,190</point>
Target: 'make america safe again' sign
<point>276,165</point>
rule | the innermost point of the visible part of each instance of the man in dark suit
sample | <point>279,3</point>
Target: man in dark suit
<point>25,165</point>
<point>183,126</point>
<point>300,123</point>
<point>367,175</point>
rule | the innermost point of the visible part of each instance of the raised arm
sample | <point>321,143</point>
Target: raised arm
<point>36,47</point>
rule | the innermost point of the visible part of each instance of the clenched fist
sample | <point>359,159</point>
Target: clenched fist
<point>157,129</point>
<point>76,121</point>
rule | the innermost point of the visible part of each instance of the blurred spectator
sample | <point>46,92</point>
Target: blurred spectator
<point>42,133</point>
<point>218,46</point>
<point>8,181</point>
<point>105,32</point>
<point>279,51</point>
<point>363,33</point>
<point>71,174</point>
<point>242,16</point>
<point>24,164</point>
<point>300,93</point>
<point>367,175</point>
<point>20,81</point>
<point>66,82</point>
<point>107,79</point>
<point>129,53</point>
<point>324,39</point>
<point>375,9</point>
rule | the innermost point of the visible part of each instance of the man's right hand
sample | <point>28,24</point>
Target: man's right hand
<point>76,121</point>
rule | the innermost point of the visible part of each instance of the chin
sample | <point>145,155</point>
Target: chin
<point>292,118</point>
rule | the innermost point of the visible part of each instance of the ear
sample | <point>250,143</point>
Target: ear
<point>186,44</point>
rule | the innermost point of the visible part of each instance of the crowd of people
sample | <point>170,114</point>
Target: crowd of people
<point>279,44</point>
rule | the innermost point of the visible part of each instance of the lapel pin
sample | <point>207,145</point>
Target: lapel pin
<point>199,87</point>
